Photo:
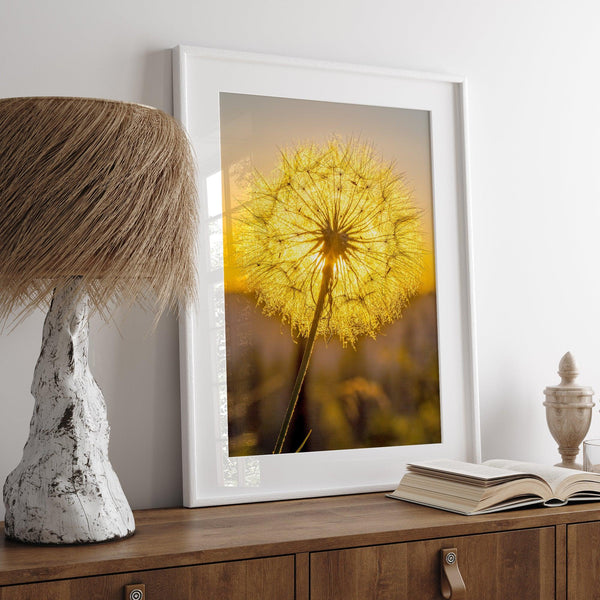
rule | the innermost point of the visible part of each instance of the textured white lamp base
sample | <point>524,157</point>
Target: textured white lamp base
<point>64,490</point>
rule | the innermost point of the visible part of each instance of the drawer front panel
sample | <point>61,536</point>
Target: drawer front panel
<point>583,561</point>
<point>258,579</point>
<point>495,566</point>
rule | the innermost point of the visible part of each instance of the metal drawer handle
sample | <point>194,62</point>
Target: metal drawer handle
<point>452,583</point>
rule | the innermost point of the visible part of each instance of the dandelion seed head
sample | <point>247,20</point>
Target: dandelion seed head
<point>335,206</point>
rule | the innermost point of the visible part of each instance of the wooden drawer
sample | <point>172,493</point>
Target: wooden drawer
<point>257,579</point>
<point>583,561</point>
<point>494,566</point>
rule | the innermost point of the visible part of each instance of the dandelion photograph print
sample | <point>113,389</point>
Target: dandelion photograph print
<point>329,276</point>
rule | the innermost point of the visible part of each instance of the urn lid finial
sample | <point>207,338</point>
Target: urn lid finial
<point>568,386</point>
<point>567,369</point>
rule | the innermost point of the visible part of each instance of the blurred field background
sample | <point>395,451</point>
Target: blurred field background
<point>383,393</point>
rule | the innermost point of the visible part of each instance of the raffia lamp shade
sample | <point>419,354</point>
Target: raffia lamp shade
<point>97,207</point>
<point>97,189</point>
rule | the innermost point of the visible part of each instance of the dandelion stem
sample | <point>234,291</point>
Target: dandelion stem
<point>310,344</point>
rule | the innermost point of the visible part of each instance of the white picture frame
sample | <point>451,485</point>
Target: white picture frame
<point>210,476</point>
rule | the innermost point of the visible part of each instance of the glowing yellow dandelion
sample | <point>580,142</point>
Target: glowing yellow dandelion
<point>331,243</point>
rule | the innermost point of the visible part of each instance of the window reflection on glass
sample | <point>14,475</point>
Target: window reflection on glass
<point>236,472</point>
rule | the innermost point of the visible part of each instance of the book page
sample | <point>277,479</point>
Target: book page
<point>480,472</point>
<point>558,478</point>
<point>470,496</point>
<point>460,509</point>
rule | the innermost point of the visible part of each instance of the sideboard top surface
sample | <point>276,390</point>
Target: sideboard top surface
<point>180,536</point>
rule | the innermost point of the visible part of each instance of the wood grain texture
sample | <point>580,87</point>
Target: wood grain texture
<point>561,562</point>
<point>184,537</point>
<point>260,579</point>
<point>495,566</point>
<point>302,576</point>
<point>583,566</point>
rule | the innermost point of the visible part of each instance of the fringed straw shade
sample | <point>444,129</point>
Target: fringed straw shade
<point>97,189</point>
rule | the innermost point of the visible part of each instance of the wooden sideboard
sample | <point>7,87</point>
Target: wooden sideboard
<point>360,547</point>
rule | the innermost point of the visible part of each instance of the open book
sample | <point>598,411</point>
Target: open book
<point>472,489</point>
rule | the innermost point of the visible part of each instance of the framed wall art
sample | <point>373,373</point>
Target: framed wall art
<point>333,336</point>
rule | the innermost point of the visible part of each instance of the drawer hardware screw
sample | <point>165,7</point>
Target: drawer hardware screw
<point>136,595</point>
<point>450,558</point>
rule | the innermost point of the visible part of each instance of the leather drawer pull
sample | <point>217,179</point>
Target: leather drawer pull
<point>452,584</point>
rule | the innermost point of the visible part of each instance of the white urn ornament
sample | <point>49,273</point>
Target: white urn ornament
<point>568,412</point>
<point>97,207</point>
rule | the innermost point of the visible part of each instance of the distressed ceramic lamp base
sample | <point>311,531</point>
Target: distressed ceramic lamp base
<point>65,490</point>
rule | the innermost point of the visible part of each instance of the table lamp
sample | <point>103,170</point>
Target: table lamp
<point>97,208</point>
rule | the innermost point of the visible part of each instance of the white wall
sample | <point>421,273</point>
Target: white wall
<point>535,178</point>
